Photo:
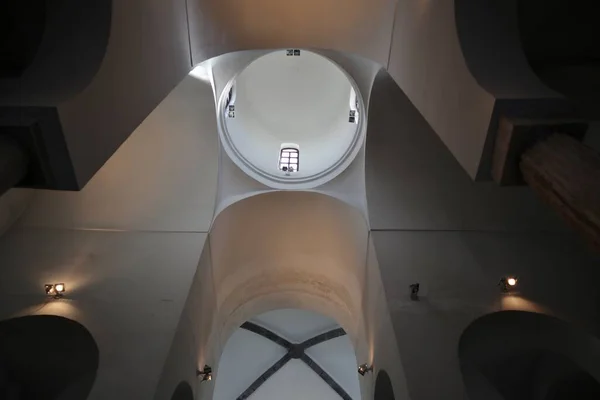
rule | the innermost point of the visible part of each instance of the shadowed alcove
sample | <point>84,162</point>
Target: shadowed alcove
<point>383,387</point>
<point>183,391</point>
<point>47,357</point>
<point>516,355</point>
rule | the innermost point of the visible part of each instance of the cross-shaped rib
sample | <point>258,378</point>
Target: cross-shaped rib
<point>294,351</point>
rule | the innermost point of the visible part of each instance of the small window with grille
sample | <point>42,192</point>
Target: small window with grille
<point>289,159</point>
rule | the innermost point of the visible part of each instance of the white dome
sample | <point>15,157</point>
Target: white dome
<point>301,102</point>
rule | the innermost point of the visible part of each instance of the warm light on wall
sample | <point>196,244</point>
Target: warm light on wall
<point>206,373</point>
<point>55,289</point>
<point>507,283</point>
<point>364,368</point>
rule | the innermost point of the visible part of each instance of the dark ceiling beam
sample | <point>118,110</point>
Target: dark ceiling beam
<point>264,332</point>
<point>323,337</point>
<point>294,350</point>
<point>325,376</point>
<point>263,378</point>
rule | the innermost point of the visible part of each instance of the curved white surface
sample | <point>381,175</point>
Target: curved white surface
<point>361,27</point>
<point>235,184</point>
<point>247,355</point>
<point>309,247</point>
<point>296,101</point>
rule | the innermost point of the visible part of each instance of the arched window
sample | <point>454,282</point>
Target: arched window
<point>289,158</point>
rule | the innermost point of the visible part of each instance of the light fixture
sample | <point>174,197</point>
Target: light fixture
<point>364,368</point>
<point>206,373</point>
<point>507,283</point>
<point>414,291</point>
<point>55,290</point>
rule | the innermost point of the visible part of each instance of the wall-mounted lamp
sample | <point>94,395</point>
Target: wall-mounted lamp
<point>508,283</point>
<point>414,291</point>
<point>206,373</point>
<point>55,290</point>
<point>364,368</point>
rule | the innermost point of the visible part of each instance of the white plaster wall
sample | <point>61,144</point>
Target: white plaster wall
<point>194,343</point>
<point>318,265</point>
<point>348,186</point>
<point>338,358</point>
<point>328,247</point>
<point>382,352</point>
<point>302,236</point>
<point>127,289</point>
<point>127,246</point>
<point>148,54</point>
<point>427,63</point>
<point>247,355</point>
<point>431,224</point>
<point>294,324</point>
<point>459,282</point>
<point>164,177</point>
<point>295,382</point>
<point>414,182</point>
<point>360,27</point>
<point>424,58</point>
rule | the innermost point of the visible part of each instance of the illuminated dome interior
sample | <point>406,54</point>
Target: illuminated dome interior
<point>292,119</point>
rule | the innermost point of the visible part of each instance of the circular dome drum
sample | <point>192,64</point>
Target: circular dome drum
<point>292,119</point>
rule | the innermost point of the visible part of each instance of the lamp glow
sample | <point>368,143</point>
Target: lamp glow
<point>364,368</point>
<point>55,290</point>
<point>508,283</point>
<point>206,373</point>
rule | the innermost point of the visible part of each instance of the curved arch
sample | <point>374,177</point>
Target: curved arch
<point>288,336</point>
<point>289,300</point>
<point>230,201</point>
<point>383,387</point>
<point>559,40</point>
<point>183,391</point>
<point>22,24</point>
<point>491,46</point>
<point>46,356</point>
<point>288,250</point>
<point>65,58</point>
<point>495,346</point>
<point>305,201</point>
<point>579,385</point>
<point>312,24</point>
